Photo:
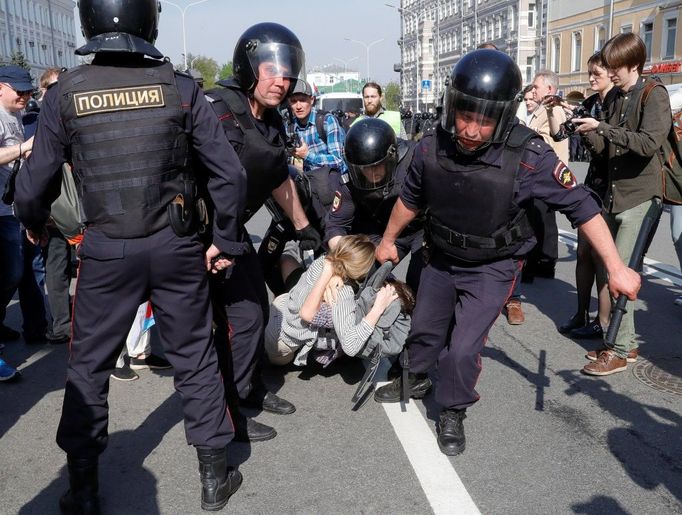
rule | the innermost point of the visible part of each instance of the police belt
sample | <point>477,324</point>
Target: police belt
<point>518,230</point>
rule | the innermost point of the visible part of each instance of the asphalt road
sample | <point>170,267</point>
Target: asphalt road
<point>543,439</point>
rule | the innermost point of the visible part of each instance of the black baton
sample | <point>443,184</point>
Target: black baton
<point>646,234</point>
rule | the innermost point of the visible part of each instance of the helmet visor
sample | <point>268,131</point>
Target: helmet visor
<point>275,60</point>
<point>474,121</point>
<point>376,175</point>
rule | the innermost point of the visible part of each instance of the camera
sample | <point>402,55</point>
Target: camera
<point>579,112</point>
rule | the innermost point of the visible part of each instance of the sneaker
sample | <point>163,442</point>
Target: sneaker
<point>8,334</point>
<point>514,311</point>
<point>594,354</point>
<point>152,362</point>
<point>607,363</point>
<point>7,372</point>
<point>124,373</point>
<point>55,339</point>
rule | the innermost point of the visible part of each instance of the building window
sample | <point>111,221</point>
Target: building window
<point>531,16</point>
<point>669,36</point>
<point>599,37</point>
<point>647,33</point>
<point>529,69</point>
<point>576,51</point>
<point>556,49</point>
<point>626,29</point>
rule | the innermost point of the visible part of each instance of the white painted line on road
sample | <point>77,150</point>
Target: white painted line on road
<point>651,267</point>
<point>439,480</point>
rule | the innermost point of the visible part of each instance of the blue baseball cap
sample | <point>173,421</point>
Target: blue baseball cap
<point>17,77</point>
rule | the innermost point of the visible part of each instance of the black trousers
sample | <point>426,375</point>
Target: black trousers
<point>57,281</point>
<point>456,307</point>
<point>114,277</point>
<point>241,310</point>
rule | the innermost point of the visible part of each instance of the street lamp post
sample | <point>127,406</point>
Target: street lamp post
<point>367,47</point>
<point>412,12</point>
<point>345,68</point>
<point>183,11</point>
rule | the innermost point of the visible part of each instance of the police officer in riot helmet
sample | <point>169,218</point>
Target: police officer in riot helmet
<point>267,60</point>
<point>128,123</point>
<point>377,166</point>
<point>476,174</point>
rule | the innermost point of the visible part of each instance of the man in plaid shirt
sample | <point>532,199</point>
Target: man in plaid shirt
<point>320,141</point>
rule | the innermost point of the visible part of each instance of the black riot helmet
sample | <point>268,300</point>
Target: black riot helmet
<point>371,153</point>
<point>484,87</point>
<point>119,26</point>
<point>267,50</point>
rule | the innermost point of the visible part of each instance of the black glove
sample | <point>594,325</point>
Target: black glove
<point>308,238</point>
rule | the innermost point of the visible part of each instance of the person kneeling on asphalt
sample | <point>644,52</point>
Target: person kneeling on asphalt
<point>364,197</point>
<point>477,173</point>
<point>320,315</point>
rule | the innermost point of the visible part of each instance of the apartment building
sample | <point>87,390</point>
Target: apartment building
<point>578,28</point>
<point>44,31</point>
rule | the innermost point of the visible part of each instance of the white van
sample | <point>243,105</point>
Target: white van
<point>346,102</point>
<point>675,92</point>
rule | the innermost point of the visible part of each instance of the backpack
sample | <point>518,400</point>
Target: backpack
<point>670,153</point>
<point>390,331</point>
<point>321,118</point>
<point>66,210</point>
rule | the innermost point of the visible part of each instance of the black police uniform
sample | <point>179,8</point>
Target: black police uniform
<point>243,297</point>
<point>359,211</point>
<point>128,125</point>
<point>476,254</point>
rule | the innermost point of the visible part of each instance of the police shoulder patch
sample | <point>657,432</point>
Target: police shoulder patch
<point>336,204</point>
<point>564,176</point>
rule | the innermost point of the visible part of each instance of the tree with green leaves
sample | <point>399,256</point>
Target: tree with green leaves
<point>226,71</point>
<point>17,58</point>
<point>207,66</point>
<point>392,96</point>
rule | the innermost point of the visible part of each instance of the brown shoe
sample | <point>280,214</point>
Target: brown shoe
<point>515,314</point>
<point>593,354</point>
<point>607,363</point>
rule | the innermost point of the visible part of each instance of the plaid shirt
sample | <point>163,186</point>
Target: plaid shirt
<point>319,154</point>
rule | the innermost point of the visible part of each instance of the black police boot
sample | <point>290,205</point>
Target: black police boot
<point>81,498</point>
<point>451,438</point>
<point>218,481</point>
<point>248,430</point>
<point>260,398</point>
<point>419,384</point>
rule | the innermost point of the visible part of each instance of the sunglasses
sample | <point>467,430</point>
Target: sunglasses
<point>21,93</point>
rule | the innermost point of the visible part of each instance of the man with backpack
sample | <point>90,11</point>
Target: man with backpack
<point>634,132</point>
<point>477,173</point>
<point>320,137</point>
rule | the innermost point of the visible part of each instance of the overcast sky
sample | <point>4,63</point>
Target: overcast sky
<point>214,26</point>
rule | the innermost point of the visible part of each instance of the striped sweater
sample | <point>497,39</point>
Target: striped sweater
<point>297,333</point>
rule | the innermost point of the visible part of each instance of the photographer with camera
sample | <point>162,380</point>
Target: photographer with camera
<point>595,106</point>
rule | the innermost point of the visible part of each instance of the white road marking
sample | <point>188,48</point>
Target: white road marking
<point>439,480</point>
<point>442,485</point>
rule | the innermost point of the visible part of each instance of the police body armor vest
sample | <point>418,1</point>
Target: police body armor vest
<point>259,157</point>
<point>373,207</point>
<point>130,148</point>
<point>472,215</point>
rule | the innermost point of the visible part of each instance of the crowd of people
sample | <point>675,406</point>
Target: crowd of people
<point>167,175</point>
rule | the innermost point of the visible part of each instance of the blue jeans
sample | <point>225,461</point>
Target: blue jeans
<point>22,269</point>
<point>676,230</point>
